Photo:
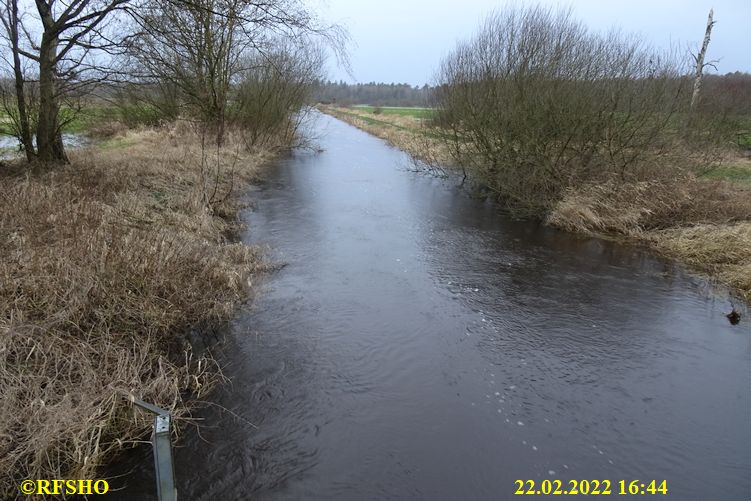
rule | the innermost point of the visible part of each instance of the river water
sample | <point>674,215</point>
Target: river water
<point>418,345</point>
<point>10,147</point>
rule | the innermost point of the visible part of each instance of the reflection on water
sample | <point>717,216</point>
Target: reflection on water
<point>420,346</point>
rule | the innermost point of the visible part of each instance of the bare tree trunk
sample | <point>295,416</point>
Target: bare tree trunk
<point>220,129</point>
<point>23,114</point>
<point>700,62</point>
<point>49,139</point>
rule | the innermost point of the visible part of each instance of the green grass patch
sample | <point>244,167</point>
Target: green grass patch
<point>85,119</point>
<point>77,121</point>
<point>400,111</point>
<point>116,143</point>
<point>735,173</point>
<point>744,140</point>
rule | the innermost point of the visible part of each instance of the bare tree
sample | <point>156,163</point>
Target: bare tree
<point>202,46</point>
<point>61,40</point>
<point>193,45</point>
<point>20,118</point>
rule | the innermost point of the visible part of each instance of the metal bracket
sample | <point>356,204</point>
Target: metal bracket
<point>161,444</point>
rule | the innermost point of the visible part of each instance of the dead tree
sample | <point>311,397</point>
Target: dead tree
<point>700,64</point>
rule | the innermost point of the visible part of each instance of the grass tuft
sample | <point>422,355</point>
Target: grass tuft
<point>702,223</point>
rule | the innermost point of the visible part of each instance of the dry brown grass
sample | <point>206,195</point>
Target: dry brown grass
<point>106,265</point>
<point>632,208</point>
<point>724,251</point>
<point>702,223</point>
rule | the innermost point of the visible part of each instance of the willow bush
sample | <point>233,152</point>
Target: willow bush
<point>536,103</point>
<point>270,102</point>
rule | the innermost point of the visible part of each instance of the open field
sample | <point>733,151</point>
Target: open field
<point>76,122</point>
<point>397,110</point>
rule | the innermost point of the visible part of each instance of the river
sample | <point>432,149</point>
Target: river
<point>418,344</point>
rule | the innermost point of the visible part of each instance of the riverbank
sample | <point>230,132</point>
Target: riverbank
<point>107,265</point>
<point>703,222</point>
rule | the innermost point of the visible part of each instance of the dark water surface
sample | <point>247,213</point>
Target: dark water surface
<point>419,346</point>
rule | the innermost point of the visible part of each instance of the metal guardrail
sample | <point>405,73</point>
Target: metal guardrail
<point>161,443</point>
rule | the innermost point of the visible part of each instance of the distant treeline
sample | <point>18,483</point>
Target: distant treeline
<point>375,94</point>
<point>730,93</point>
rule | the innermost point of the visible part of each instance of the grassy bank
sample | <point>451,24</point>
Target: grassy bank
<point>106,265</point>
<point>702,220</point>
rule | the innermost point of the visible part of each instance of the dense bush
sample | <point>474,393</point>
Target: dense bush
<point>270,101</point>
<point>146,104</point>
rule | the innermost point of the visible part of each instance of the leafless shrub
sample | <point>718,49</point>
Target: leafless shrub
<point>729,93</point>
<point>535,103</point>
<point>202,48</point>
<point>146,104</point>
<point>273,94</point>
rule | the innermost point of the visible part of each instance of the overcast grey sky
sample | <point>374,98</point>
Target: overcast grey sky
<point>403,40</point>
